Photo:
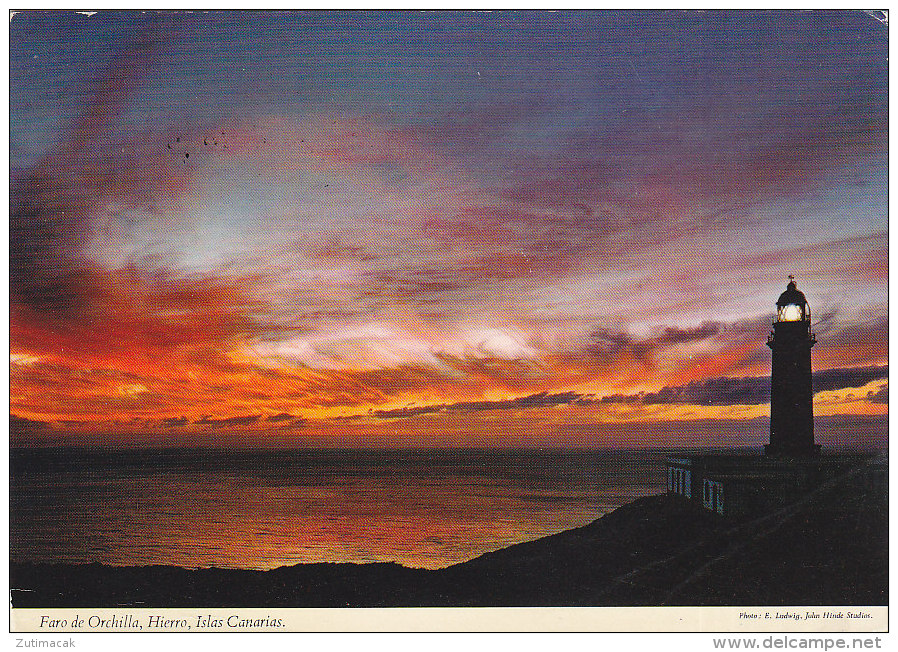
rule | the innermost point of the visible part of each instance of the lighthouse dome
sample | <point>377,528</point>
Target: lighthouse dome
<point>792,296</point>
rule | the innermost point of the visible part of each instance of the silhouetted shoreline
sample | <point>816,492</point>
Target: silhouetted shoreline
<point>830,550</point>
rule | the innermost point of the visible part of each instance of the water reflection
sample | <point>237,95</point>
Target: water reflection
<point>266,509</point>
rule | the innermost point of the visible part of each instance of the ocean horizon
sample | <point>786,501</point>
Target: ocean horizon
<point>423,508</point>
<point>262,509</point>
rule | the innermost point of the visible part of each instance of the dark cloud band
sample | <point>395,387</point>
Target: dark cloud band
<point>752,390</point>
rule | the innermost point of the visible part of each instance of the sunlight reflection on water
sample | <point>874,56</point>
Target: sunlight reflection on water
<point>273,508</point>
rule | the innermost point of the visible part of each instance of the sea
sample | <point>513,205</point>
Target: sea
<point>262,509</point>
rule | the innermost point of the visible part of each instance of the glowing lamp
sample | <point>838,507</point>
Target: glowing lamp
<point>790,312</point>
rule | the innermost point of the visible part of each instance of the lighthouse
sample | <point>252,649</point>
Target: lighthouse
<point>739,484</point>
<point>791,394</point>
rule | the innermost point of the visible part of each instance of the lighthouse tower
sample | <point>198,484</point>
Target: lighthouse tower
<point>791,411</point>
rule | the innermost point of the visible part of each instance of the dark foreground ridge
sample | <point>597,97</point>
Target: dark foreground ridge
<point>828,548</point>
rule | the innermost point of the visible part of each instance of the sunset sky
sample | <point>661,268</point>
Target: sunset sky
<point>441,228</point>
